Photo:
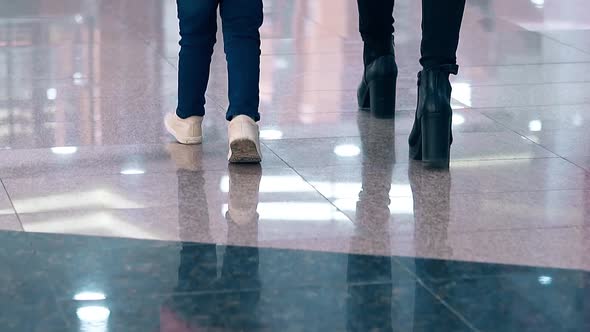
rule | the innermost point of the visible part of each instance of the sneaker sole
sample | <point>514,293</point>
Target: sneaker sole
<point>244,152</point>
<point>184,140</point>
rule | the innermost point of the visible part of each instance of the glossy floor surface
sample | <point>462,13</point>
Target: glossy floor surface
<point>73,283</point>
<point>84,86</point>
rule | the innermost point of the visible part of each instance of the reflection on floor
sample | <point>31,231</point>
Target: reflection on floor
<point>84,86</point>
<point>109,284</point>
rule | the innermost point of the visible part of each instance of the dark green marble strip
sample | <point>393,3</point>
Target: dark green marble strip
<point>52,282</point>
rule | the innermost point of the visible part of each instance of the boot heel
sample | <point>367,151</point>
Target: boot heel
<point>436,140</point>
<point>382,97</point>
<point>363,97</point>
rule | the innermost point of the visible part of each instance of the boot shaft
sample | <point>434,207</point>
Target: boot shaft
<point>434,89</point>
<point>374,49</point>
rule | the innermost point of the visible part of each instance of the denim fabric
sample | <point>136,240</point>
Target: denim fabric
<point>241,20</point>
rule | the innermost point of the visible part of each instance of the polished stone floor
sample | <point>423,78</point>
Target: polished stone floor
<point>75,283</point>
<point>107,225</point>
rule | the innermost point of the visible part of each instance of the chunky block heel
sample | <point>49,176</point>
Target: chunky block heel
<point>431,136</point>
<point>382,97</point>
<point>436,140</point>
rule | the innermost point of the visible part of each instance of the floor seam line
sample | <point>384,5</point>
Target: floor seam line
<point>311,185</point>
<point>433,294</point>
<point>523,136</point>
<point>12,205</point>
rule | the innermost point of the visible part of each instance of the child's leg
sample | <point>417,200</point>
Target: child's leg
<point>198,26</point>
<point>241,21</point>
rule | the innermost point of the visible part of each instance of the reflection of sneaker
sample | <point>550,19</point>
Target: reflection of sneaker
<point>185,157</point>
<point>186,131</point>
<point>244,188</point>
<point>244,140</point>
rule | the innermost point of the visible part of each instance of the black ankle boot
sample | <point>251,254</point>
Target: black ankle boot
<point>376,92</point>
<point>431,137</point>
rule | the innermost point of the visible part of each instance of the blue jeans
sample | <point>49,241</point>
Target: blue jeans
<point>241,20</point>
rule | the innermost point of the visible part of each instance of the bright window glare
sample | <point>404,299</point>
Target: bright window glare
<point>290,184</point>
<point>64,149</point>
<point>462,93</point>
<point>51,93</point>
<point>76,200</point>
<point>352,189</point>
<point>79,18</point>
<point>132,171</point>
<point>545,280</point>
<point>93,314</point>
<point>271,134</point>
<point>281,63</point>
<point>347,150</point>
<point>577,120</point>
<point>535,125</point>
<point>458,119</point>
<point>397,206</point>
<point>300,211</point>
<point>274,184</point>
<point>538,3</point>
<point>89,296</point>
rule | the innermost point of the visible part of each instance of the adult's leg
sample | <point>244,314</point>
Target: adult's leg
<point>198,26</point>
<point>376,27</point>
<point>441,23</point>
<point>376,92</point>
<point>241,23</point>
<point>431,136</point>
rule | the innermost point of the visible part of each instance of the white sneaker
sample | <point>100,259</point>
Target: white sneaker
<point>186,131</point>
<point>244,140</point>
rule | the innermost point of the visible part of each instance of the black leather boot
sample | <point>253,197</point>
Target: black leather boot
<point>376,92</point>
<point>431,137</point>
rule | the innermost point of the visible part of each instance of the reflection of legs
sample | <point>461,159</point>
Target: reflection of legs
<point>244,188</point>
<point>197,273</point>
<point>242,219</point>
<point>431,211</point>
<point>193,213</point>
<point>198,25</point>
<point>198,262</point>
<point>242,215</point>
<point>240,264</point>
<point>240,271</point>
<point>378,149</point>
<point>241,22</point>
<point>369,307</point>
<point>431,218</point>
<point>441,22</point>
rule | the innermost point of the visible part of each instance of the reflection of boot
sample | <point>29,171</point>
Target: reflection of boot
<point>378,87</point>
<point>431,137</point>
<point>431,191</point>
<point>372,209</point>
<point>244,188</point>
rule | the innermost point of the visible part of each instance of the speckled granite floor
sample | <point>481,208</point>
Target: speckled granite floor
<point>107,225</point>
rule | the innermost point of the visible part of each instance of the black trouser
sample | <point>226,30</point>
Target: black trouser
<point>441,22</point>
